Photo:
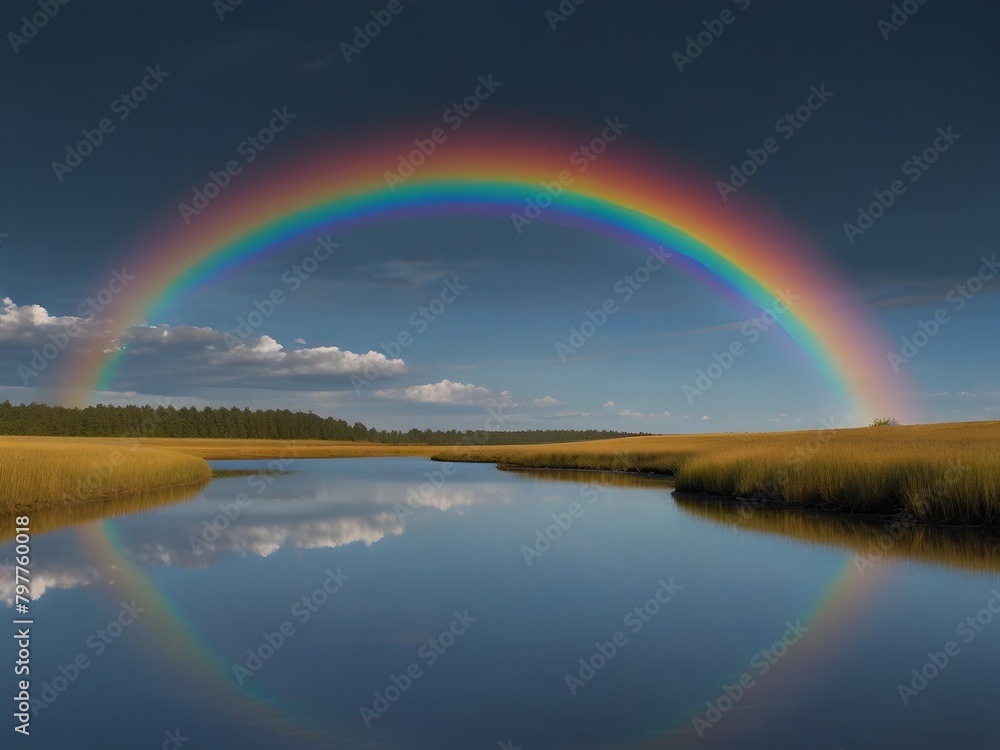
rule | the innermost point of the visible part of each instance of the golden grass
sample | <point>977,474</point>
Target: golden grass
<point>943,472</point>
<point>219,449</point>
<point>43,472</point>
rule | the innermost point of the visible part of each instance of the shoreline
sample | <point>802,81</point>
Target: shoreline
<point>941,474</point>
<point>870,536</point>
<point>625,472</point>
<point>827,510</point>
<point>49,505</point>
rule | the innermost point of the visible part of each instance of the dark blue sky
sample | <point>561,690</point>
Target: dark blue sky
<point>494,345</point>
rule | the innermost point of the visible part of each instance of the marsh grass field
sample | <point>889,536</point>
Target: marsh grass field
<point>946,473</point>
<point>940,472</point>
<point>40,472</point>
<point>57,472</point>
<point>223,449</point>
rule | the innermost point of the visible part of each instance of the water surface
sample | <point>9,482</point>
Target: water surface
<point>401,603</point>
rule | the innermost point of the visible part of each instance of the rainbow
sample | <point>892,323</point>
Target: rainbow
<point>633,197</point>
<point>833,620</point>
<point>209,674</point>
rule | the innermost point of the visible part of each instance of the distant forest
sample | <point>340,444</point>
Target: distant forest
<point>277,424</point>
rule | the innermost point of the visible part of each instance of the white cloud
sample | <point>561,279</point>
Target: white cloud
<point>613,408</point>
<point>30,324</point>
<point>545,401</point>
<point>643,415</point>
<point>218,355</point>
<point>704,418</point>
<point>202,353</point>
<point>316,533</point>
<point>45,580</point>
<point>452,393</point>
<point>447,392</point>
<point>319,360</point>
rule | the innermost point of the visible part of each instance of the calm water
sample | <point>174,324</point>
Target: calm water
<point>366,599</point>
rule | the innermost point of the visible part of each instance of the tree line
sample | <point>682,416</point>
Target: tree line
<point>276,424</point>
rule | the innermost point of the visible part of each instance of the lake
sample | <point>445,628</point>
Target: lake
<point>403,603</point>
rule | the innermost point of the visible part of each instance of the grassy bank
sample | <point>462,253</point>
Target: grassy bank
<point>220,449</point>
<point>946,472</point>
<point>941,473</point>
<point>58,472</point>
<point>40,472</point>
